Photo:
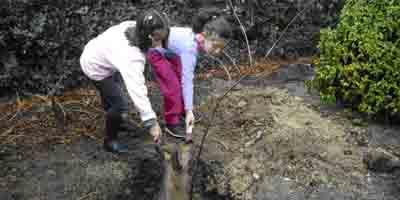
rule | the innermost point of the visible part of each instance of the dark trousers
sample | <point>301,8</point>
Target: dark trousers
<point>114,104</point>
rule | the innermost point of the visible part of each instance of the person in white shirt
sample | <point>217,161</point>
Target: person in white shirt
<point>120,49</point>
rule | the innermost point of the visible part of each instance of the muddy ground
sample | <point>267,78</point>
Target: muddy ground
<point>269,140</point>
<point>274,140</point>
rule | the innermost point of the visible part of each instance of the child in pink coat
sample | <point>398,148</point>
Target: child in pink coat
<point>174,65</point>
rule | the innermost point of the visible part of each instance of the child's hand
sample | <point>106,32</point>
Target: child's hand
<point>156,132</point>
<point>189,125</point>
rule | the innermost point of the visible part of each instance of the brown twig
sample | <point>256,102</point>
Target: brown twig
<point>18,108</point>
<point>79,110</point>
<point>99,141</point>
<point>233,61</point>
<point>59,113</point>
<point>98,109</point>
<point>79,103</point>
<point>72,102</point>
<point>173,134</point>
<point>8,131</point>
<point>13,137</point>
<point>286,28</point>
<point>45,99</point>
<point>243,31</point>
<point>87,195</point>
<point>222,64</point>
<point>4,117</point>
<point>221,143</point>
<point>61,108</point>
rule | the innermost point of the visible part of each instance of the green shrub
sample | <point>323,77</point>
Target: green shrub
<point>360,59</point>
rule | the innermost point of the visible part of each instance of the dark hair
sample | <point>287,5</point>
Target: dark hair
<point>200,20</point>
<point>148,22</point>
<point>130,34</point>
<point>204,16</point>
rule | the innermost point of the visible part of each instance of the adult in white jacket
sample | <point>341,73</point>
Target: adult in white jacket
<point>116,50</point>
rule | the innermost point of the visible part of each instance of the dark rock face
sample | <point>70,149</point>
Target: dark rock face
<point>44,25</point>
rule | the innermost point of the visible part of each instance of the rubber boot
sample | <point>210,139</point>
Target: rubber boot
<point>113,123</point>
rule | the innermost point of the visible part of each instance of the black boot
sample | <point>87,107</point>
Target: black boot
<point>115,147</point>
<point>113,123</point>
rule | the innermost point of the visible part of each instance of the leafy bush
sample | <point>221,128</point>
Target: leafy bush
<point>360,59</point>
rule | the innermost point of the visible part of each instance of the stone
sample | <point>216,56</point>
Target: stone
<point>256,176</point>
<point>3,183</point>
<point>51,172</point>
<point>12,178</point>
<point>249,143</point>
<point>242,104</point>
<point>259,134</point>
<point>380,160</point>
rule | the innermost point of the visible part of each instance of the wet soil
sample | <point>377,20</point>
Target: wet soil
<point>257,156</point>
<point>289,146</point>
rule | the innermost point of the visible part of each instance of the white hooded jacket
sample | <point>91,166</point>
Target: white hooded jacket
<point>110,52</point>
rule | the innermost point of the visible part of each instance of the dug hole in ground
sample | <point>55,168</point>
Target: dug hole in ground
<point>268,140</point>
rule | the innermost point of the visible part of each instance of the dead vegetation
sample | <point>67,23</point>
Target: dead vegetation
<point>44,120</point>
<point>265,132</point>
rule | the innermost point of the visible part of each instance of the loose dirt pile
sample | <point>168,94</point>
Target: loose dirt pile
<point>262,133</point>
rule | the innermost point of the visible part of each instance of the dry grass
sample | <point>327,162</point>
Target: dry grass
<point>262,67</point>
<point>31,121</point>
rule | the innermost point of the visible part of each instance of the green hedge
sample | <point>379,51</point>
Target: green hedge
<point>360,59</point>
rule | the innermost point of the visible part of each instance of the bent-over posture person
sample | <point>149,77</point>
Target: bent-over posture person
<point>120,50</point>
<point>173,62</point>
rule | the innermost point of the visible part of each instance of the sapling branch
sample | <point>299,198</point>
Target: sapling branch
<point>243,31</point>
<point>229,90</point>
